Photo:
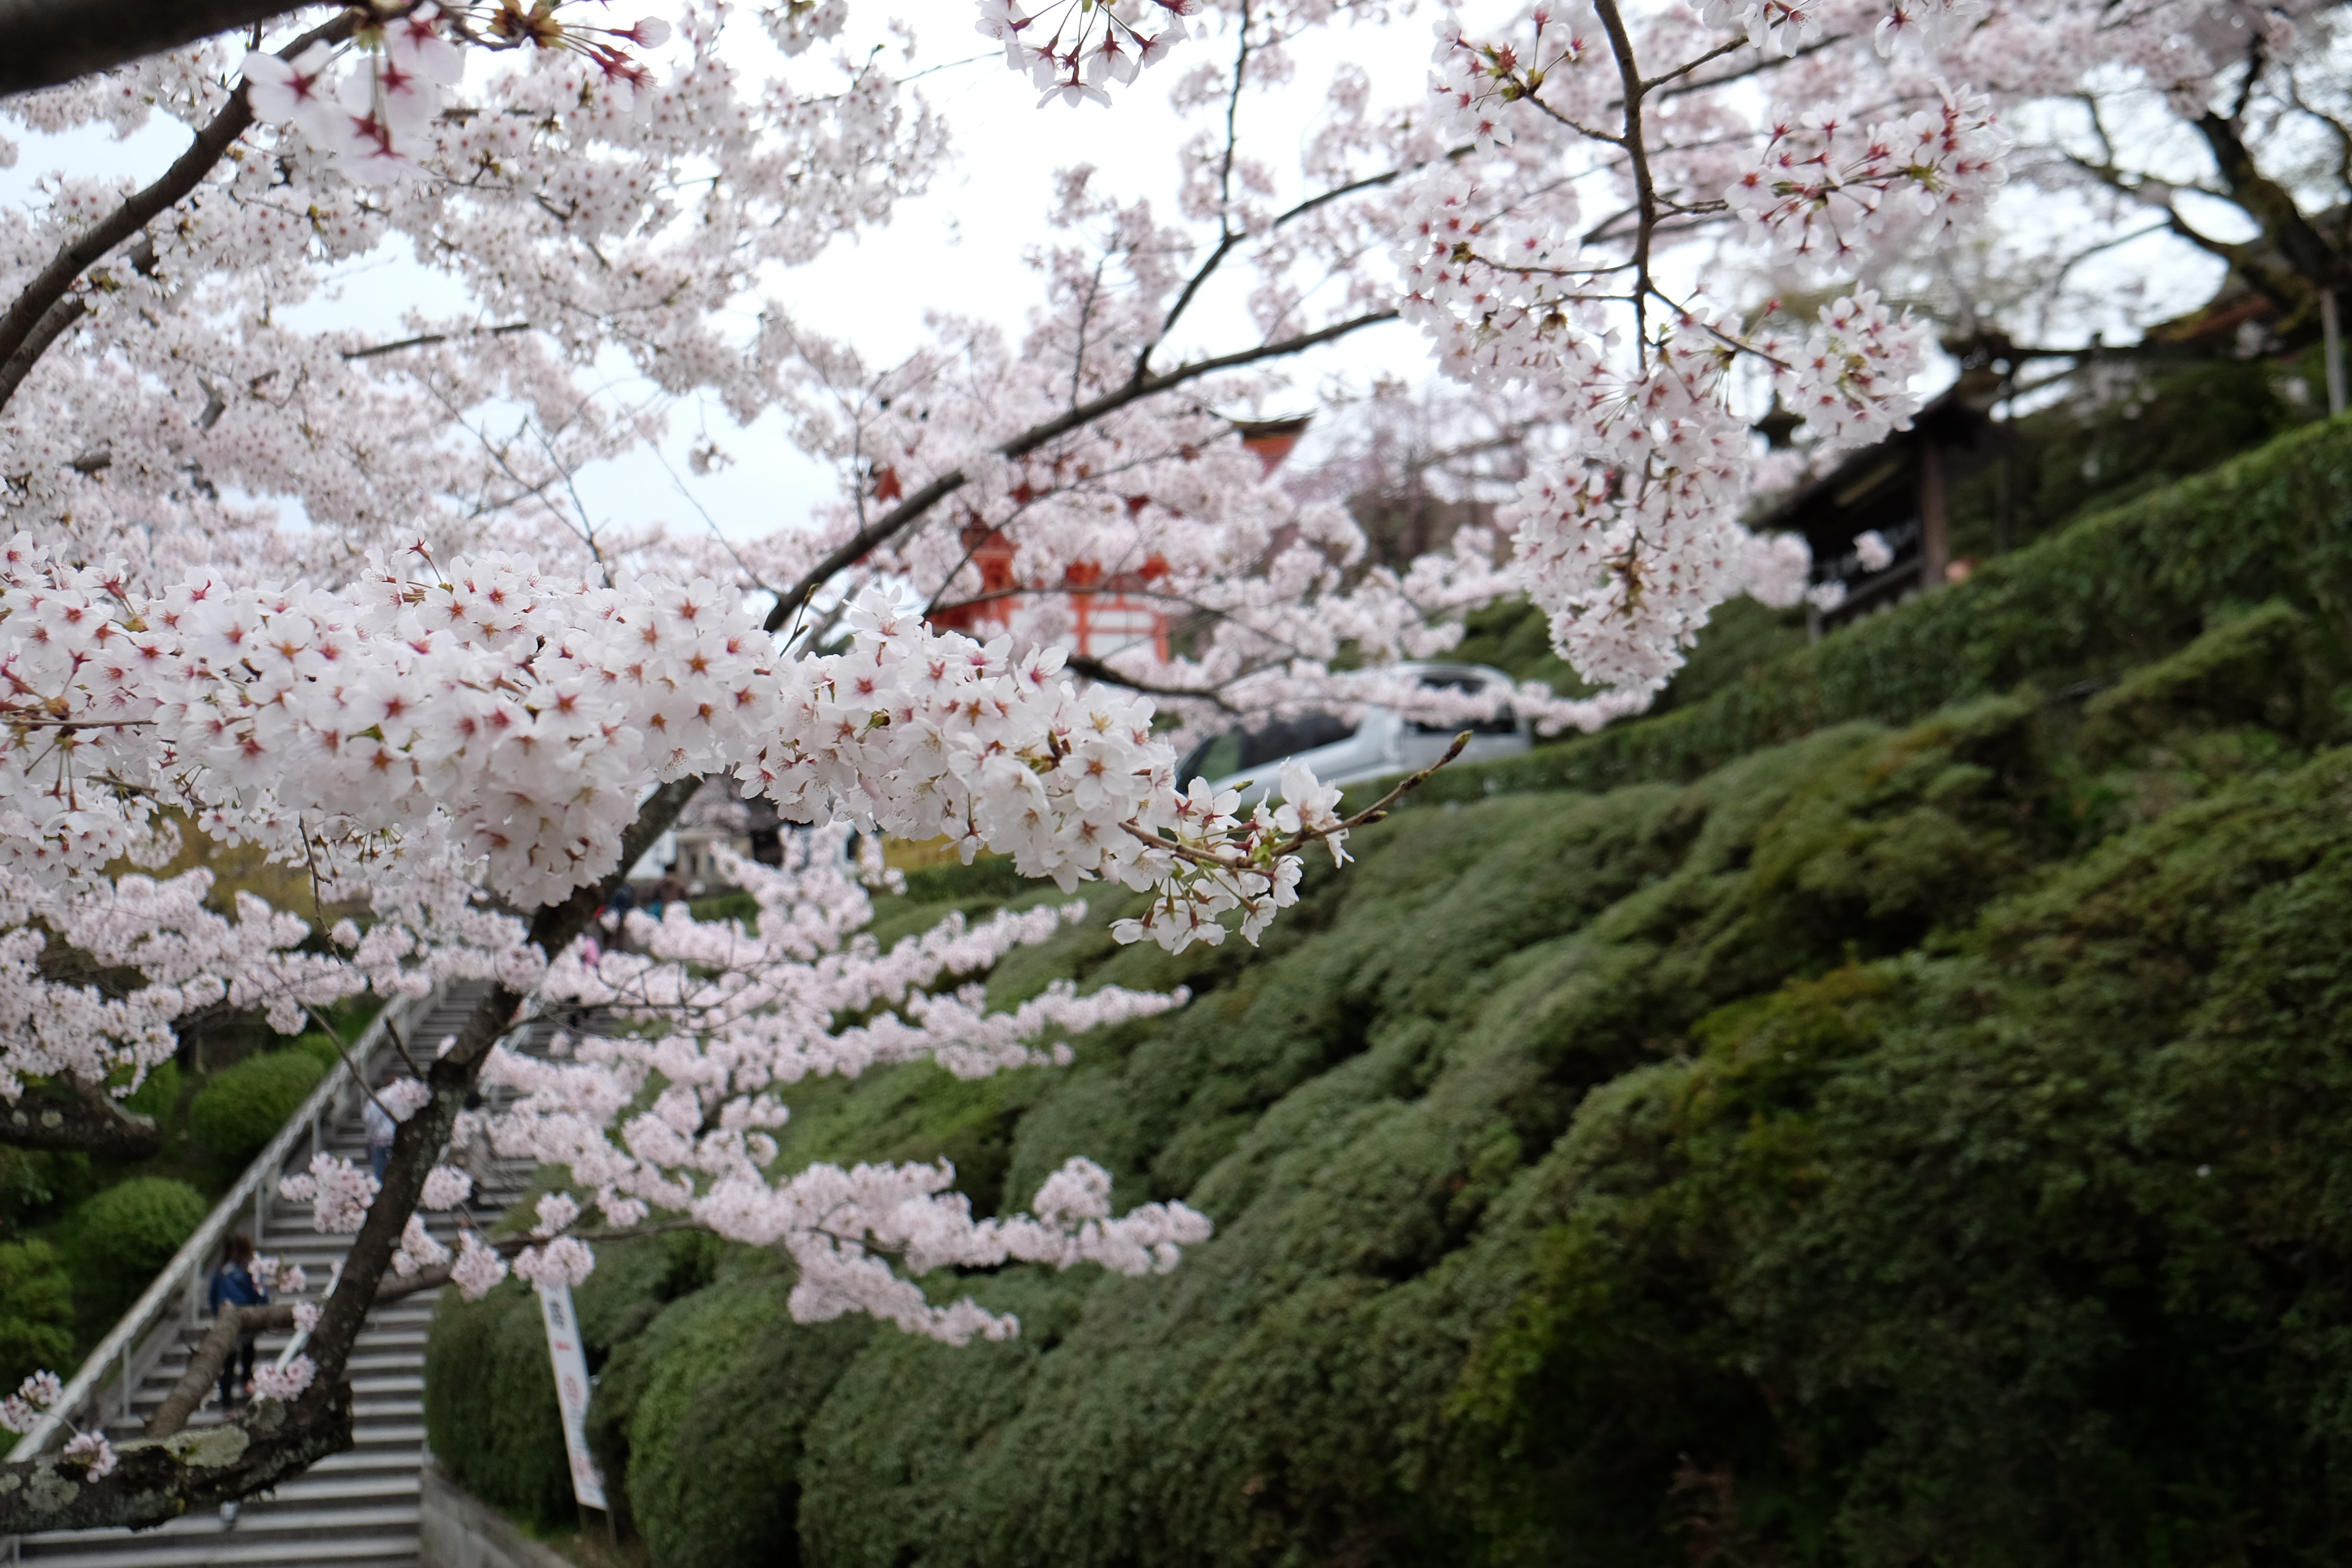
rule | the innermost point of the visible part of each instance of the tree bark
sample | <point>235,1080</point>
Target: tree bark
<point>231,1324</point>
<point>156,1481</point>
<point>47,1118</point>
<point>2274,206</point>
<point>45,43</point>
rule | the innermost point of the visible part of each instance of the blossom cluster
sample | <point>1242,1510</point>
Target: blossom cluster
<point>673,1104</point>
<point>510,718</point>
<point>1626,527</point>
<point>1827,192</point>
<point>35,1397</point>
<point>58,941</point>
<point>1070,48</point>
<point>338,1193</point>
<point>283,1383</point>
<point>369,105</point>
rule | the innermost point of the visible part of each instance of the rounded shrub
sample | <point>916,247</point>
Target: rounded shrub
<point>121,1239</point>
<point>714,1400</point>
<point>242,1108</point>
<point>319,1048</point>
<point>37,1310</point>
<point>490,1398</point>
<point>489,1404</point>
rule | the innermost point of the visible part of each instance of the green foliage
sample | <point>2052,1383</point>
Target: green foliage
<point>1886,1131</point>
<point>35,1183</point>
<point>2179,421</point>
<point>158,1094</point>
<point>489,1403</point>
<point>320,1049</point>
<point>115,1241</point>
<point>706,1414</point>
<point>2023,1254</point>
<point>37,1310</point>
<point>242,1107</point>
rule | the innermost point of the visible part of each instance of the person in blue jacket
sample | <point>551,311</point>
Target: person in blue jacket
<point>233,1286</point>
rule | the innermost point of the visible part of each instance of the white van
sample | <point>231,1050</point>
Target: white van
<point>1345,752</point>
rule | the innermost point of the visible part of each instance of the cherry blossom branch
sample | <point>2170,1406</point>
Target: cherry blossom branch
<point>1094,670</point>
<point>37,309</point>
<point>1306,835</point>
<point>1768,62</point>
<point>232,1323</point>
<point>429,339</point>
<point>52,325</point>
<point>420,1139</point>
<point>1645,195</point>
<point>890,524</point>
<point>154,1481</point>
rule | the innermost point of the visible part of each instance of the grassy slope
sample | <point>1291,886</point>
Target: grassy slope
<point>1790,1154</point>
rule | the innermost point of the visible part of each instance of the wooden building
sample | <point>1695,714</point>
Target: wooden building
<point>1901,488</point>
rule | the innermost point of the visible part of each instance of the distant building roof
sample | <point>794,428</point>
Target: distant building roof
<point>1271,439</point>
<point>1896,488</point>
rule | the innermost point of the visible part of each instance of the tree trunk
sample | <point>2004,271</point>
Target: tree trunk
<point>44,43</point>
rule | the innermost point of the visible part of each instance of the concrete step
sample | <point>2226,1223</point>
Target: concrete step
<point>314,1490</point>
<point>392,1548</point>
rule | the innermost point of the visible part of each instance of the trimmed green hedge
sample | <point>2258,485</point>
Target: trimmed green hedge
<point>489,1401</point>
<point>706,1412</point>
<point>241,1108</point>
<point>37,1310</point>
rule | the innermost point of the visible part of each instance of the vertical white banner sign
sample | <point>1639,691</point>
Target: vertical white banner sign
<point>571,1390</point>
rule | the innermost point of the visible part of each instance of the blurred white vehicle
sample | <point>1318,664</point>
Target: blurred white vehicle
<point>1348,752</point>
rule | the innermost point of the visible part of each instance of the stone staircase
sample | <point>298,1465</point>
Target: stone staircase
<point>358,1508</point>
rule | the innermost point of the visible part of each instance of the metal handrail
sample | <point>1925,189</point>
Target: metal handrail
<point>192,1264</point>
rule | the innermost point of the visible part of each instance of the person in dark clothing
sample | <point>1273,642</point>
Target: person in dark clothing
<point>233,1286</point>
<point>624,900</point>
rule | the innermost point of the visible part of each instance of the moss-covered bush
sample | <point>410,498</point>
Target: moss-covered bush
<point>241,1108</point>
<point>1916,1140</point>
<point>713,1477</point>
<point>489,1403</point>
<point>118,1240</point>
<point>37,1310</point>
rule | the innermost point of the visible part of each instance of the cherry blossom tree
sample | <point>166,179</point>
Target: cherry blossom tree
<point>336,597</point>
